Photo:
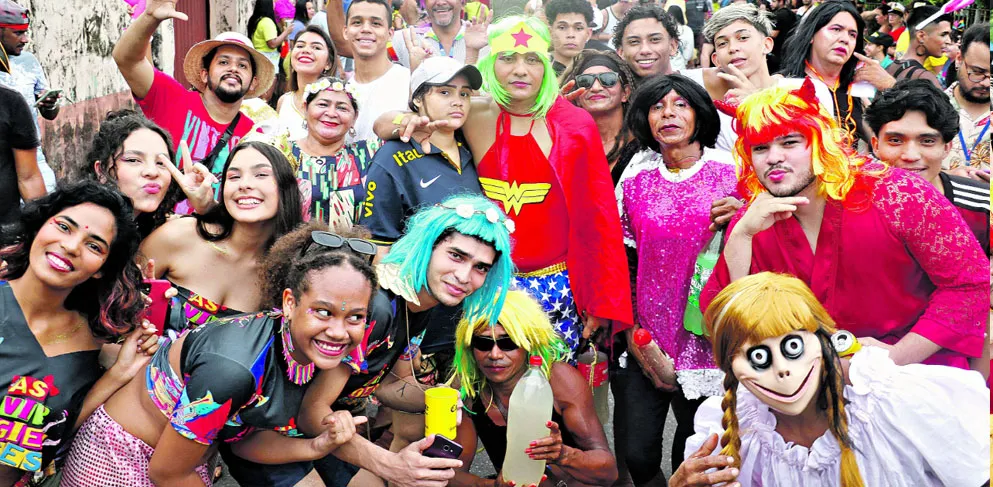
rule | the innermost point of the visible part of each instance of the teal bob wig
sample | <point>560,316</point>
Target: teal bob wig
<point>472,216</point>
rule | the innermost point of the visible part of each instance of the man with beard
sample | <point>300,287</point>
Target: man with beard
<point>931,41</point>
<point>889,256</point>
<point>25,75</point>
<point>970,95</point>
<point>224,71</point>
<point>647,38</point>
<point>443,35</point>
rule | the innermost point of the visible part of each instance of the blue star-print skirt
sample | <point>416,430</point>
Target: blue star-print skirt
<point>555,296</point>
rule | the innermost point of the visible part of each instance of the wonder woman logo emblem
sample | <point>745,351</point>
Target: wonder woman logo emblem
<point>514,195</point>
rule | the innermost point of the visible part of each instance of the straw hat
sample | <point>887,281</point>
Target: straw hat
<point>265,72</point>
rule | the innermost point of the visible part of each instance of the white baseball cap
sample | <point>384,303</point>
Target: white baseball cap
<point>438,70</point>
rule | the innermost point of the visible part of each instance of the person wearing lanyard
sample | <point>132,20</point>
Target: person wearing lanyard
<point>443,35</point>
<point>970,95</point>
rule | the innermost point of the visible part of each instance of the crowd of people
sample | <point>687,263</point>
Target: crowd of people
<point>355,202</point>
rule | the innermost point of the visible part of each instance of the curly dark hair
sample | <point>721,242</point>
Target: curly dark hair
<point>610,60</point>
<point>645,11</point>
<point>708,125</point>
<point>909,95</point>
<point>294,256</point>
<point>108,144</point>
<point>112,304</point>
<point>288,213</point>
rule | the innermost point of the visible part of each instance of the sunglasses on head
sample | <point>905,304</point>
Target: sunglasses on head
<point>485,344</point>
<point>607,80</point>
<point>334,241</point>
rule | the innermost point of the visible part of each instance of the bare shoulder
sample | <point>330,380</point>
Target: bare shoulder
<point>172,236</point>
<point>568,385</point>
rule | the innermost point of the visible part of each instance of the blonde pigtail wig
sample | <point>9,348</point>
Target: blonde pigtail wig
<point>767,305</point>
<point>730,441</point>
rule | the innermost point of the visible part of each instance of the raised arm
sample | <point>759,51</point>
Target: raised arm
<point>335,11</point>
<point>129,53</point>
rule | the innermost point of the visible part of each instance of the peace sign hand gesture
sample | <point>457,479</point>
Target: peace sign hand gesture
<point>164,9</point>
<point>415,48</point>
<point>741,86</point>
<point>195,180</point>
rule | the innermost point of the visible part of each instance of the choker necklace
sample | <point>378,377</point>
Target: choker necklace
<point>298,374</point>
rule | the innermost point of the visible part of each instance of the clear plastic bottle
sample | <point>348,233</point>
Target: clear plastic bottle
<point>530,410</point>
<point>656,359</point>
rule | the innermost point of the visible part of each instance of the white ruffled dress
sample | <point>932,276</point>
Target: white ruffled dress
<point>911,426</point>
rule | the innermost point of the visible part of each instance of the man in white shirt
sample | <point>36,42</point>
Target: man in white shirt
<point>378,85</point>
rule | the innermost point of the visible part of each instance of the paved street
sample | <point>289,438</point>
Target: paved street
<point>482,466</point>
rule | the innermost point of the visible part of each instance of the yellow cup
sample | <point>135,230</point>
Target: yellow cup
<point>441,404</point>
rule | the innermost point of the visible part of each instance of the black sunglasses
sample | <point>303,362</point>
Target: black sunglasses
<point>607,80</point>
<point>334,241</point>
<point>485,344</point>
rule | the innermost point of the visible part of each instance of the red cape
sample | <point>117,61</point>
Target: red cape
<point>598,268</point>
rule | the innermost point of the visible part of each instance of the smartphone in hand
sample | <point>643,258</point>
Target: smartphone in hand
<point>443,448</point>
<point>46,96</point>
<point>156,312</point>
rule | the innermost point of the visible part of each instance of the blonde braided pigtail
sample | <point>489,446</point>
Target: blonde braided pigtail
<point>730,441</point>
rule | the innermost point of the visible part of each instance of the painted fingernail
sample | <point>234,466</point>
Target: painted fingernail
<point>730,460</point>
<point>527,450</point>
<point>544,478</point>
<point>534,443</point>
<point>734,471</point>
<point>548,424</point>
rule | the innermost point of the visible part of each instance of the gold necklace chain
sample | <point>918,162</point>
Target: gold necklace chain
<point>218,248</point>
<point>64,337</point>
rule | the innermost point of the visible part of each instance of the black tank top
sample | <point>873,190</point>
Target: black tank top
<point>494,437</point>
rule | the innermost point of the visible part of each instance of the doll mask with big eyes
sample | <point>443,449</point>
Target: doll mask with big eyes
<point>784,372</point>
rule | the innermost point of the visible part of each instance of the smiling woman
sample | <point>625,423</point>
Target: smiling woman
<point>130,152</point>
<point>72,287</point>
<point>332,171</point>
<point>239,380</point>
<point>212,259</point>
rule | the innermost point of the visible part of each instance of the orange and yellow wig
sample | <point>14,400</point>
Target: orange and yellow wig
<point>775,112</point>
<point>767,305</point>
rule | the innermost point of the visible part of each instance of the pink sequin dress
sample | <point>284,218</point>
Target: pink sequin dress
<point>665,216</point>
